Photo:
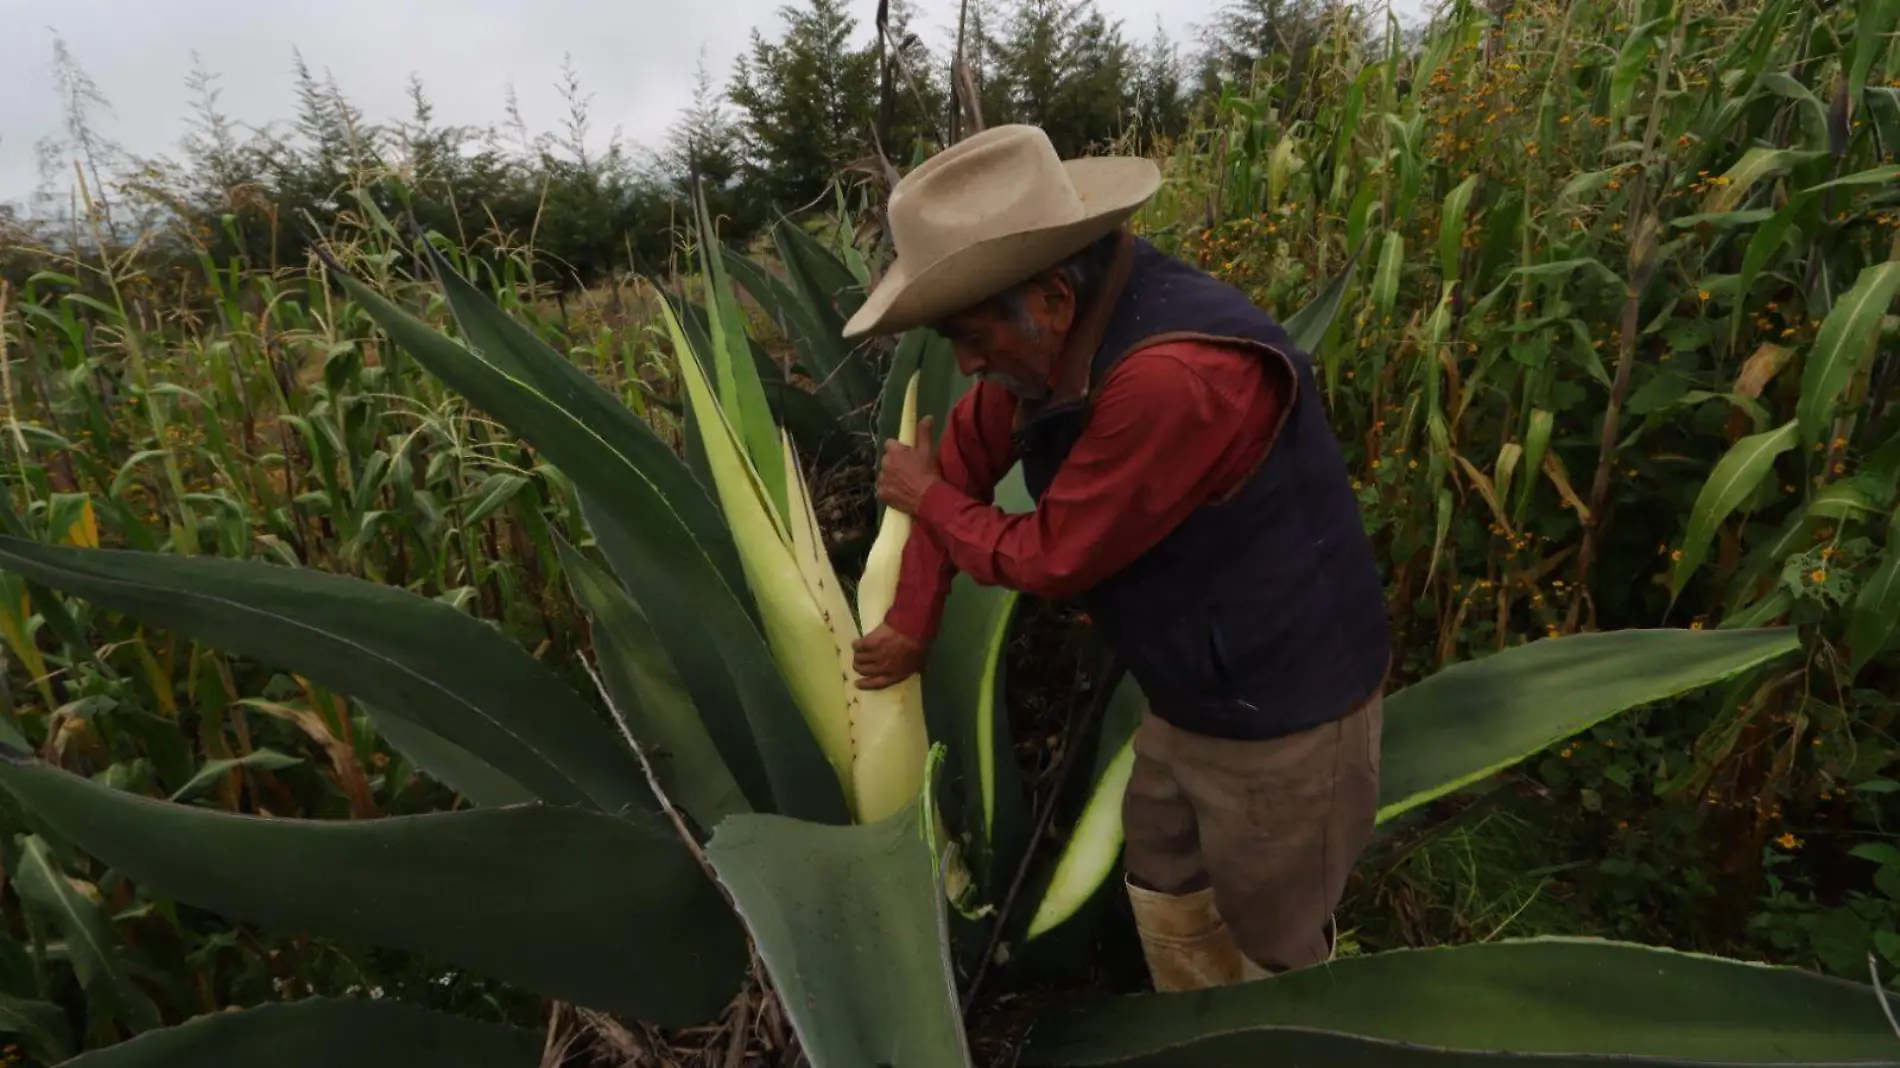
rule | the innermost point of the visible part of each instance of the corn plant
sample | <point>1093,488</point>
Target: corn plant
<point>732,792</point>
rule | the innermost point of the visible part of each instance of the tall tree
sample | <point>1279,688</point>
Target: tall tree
<point>703,144</point>
<point>1063,66</point>
<point>1245,33</point>
<point>1162,102</point>
<point>807,103</point>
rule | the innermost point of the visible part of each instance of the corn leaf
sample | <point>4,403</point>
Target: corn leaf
<point>213,771</point>
<point>1631,60</point>
<point>1873,21</point>
<point>1876,613</point>
<point>446,672</point>
<point>323,1033</point>
<point>1844,345</point>
<point>1385,283</point>
<point>714,643</point>
<point>1756,163</point>
<point>1451,227</point>
<point>1734,478</point>
<point>850,923</point>
<point>91,947</point>
<point>1479,717</point>
<point>647,692</point>
<point>41,1027</point>
<point>1565,1003</point>
<point>607,912</point>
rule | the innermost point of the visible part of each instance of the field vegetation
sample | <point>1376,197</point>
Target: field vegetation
<point>1603,299</point>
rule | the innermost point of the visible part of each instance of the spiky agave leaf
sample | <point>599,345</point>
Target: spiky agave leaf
<point>803,640</point>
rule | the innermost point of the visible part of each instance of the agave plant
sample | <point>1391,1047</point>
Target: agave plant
<point>740,789</point>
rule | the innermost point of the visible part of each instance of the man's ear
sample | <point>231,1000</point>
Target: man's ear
<point>1059,303</point>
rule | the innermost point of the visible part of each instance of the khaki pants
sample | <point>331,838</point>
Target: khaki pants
<point>1274,826</point>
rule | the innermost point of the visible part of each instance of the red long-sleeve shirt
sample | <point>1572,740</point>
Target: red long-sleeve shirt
<point>1173,426</point>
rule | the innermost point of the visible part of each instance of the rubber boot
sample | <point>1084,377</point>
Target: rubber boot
<point>1184,939</point>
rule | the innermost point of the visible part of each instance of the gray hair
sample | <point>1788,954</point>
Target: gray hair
<point>1083,270</point>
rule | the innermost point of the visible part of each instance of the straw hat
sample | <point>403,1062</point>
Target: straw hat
<point>988,212</point>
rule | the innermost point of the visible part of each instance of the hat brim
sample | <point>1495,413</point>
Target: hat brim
<point>1111,188</point>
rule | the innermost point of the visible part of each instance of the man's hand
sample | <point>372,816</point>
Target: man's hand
<point>886,657</point>
<point>908,473</point>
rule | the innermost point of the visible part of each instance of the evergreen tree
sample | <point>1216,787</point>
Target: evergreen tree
<point>1245,33</point>
<point>1162,103</point>
<point>807,103</point>
<point>1061,65</point>
<point>704,144</point>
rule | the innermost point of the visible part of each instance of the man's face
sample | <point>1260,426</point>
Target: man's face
<point>1014,352</point>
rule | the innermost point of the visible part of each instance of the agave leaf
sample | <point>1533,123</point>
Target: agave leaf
<point>850,923</point>
<point>1089,856</point>
<point>447,672</point>
<point>323,1033</point>
<point>801,602</point>
<point>1308,326</point>
<point>1733,480</point>
<point>714,643</point>
<point>816,430</point>
<point>92,948</point>
<point>648,693</point>
<point>448,763</point>
<point>740,390</point>
<point>816,334</point>
<point>963,690</point>
<point>563,901</point>
<point>1476,718</point>
<point>944,383</point>
<point>963,703</point>
<point>825,281</point>
<point>1844,345</point>
<point>1561,1003</point>
<point>906,360</point>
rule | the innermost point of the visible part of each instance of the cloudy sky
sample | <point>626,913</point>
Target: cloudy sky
<point>636,57</point>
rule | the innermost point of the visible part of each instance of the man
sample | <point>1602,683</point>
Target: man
<point>1189,493</point>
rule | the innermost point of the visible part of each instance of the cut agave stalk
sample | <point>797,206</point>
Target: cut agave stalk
<point>887,729</point>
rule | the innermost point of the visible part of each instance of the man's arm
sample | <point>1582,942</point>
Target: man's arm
<point>974,453</point>
<point>1170,428</point>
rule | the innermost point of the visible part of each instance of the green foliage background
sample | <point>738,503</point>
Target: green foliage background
<point>1616,348</point>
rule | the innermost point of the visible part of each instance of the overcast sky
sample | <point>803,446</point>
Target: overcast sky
<point>636,57</point>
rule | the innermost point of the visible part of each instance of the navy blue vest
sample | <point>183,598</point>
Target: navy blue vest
<point>1261,614</point>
